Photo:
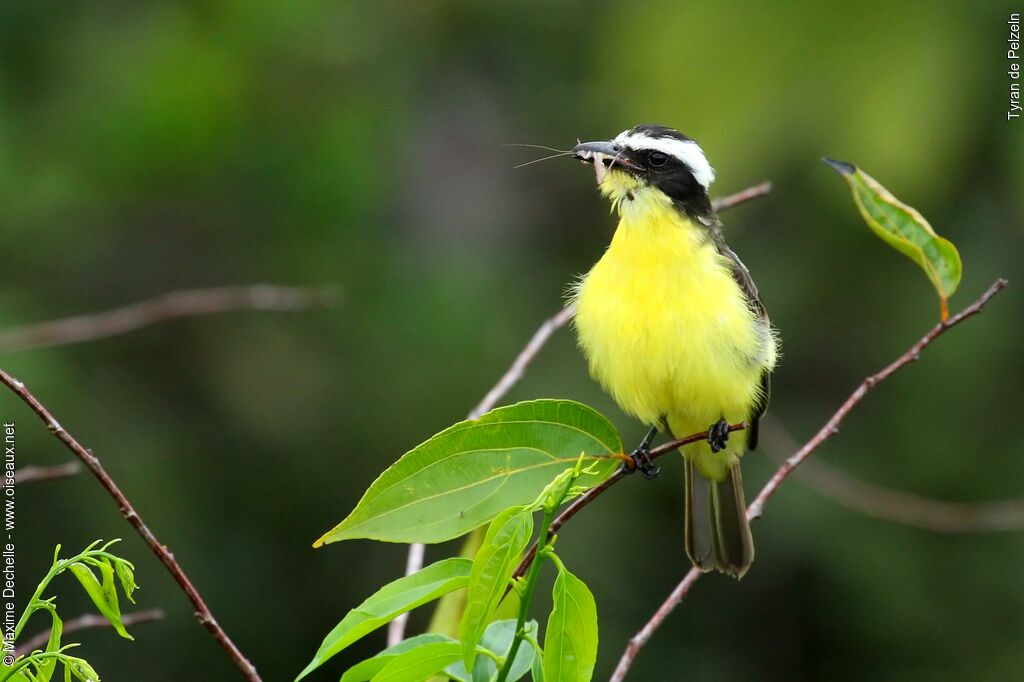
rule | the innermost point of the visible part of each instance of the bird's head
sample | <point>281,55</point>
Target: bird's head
<point>651,162</point>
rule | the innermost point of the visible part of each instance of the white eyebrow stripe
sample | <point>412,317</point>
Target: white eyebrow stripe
<point>687,151</point>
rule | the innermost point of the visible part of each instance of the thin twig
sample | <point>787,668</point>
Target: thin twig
<point>31,474</point>
<point>640,639</point>
<point>830,428</point>
<point>86,621</point>
<point>742,197</point>
<point>203,612</point>
<point>413,563</point>
<point>898,506</point>
<point>515,372</point>
<point>396,628</point>
<point>176,304</point>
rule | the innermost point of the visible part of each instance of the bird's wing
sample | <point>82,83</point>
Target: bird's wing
<point>746,283</point>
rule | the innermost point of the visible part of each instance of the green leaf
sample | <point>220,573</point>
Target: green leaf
<point>126,574</point>
<point>498,638</point>
<point>103,595</point>
<point>391,601</point>
<point>448,612</point>
<point>462,477</point>
<point>507,537</point>
<point>537,669</point>
<point>81,669</point>
<point>364,671</point>
<point>905,229</point>
<point>47,667</point>
<point>570,640</point>
<point>554,493</point>
<point>420,663</point>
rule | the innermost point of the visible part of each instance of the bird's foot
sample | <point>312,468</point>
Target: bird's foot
<point>642,462</point>
<point>718,435</point>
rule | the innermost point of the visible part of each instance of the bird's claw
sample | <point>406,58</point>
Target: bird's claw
<point>643,463</point>
<point>718,435</point>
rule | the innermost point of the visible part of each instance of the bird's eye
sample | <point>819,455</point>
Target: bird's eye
<point>657,159</point>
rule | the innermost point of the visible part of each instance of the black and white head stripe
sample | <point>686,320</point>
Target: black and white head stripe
<point>673,143</point>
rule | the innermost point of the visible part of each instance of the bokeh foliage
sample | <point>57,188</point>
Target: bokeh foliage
<point>151,146</point>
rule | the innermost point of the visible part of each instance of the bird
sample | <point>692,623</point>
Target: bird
<point>673,328</point>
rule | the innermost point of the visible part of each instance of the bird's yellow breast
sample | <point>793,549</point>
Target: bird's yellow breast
<point>665,327</point>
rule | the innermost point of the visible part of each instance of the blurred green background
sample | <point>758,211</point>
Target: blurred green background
<point>146,147</point>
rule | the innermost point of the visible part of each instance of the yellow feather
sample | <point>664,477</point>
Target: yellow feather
<point>665,327</point>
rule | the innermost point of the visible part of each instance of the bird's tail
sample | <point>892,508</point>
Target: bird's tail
<point>717,531</point>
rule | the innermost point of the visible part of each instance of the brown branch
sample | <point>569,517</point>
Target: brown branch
<point>176,304</point>
<point>396,629</point>
<point>640,639</point>
<point>515,372</point>
<point>86,621</point>
<point>31,474</point>
<point>742,197</point>
<point>830,428</point>
<point>832,425</point>
<point>897,506</point>
<point>203,612</point>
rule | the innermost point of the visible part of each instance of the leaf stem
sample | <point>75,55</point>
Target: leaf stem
<point>542,553</point>
<point>498,660</point>
<point>30,608</point>
<point>524,603</point>
<point>36,659</point>
<point>59,566</point>
<point>538,651</point>
<point>531,578</point>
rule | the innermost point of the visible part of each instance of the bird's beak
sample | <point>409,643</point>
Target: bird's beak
<point>585,150</point>
<point>602,155</point>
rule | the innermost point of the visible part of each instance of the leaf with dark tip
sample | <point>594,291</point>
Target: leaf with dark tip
<point>905,229</point>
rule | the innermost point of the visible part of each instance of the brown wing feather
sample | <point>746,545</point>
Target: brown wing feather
<point>746,283</point>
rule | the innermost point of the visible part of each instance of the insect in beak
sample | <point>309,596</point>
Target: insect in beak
<point>603,156</point>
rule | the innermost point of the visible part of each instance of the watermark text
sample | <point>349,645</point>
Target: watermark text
<point>8,622</point>
<point>1013,53</point>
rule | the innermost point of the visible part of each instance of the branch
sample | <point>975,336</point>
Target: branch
<point>184,303</point>
<point>742,197</point>
<point>895,505</point>
<point>830,428</point>
<point>832,425</point>
<point>87,621</point>
<point>396,628</point>
<point>515,372</point>
<point>31,474</point>
<point>203,613</point>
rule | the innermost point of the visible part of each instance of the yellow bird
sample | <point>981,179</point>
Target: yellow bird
<point>673,328</point>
